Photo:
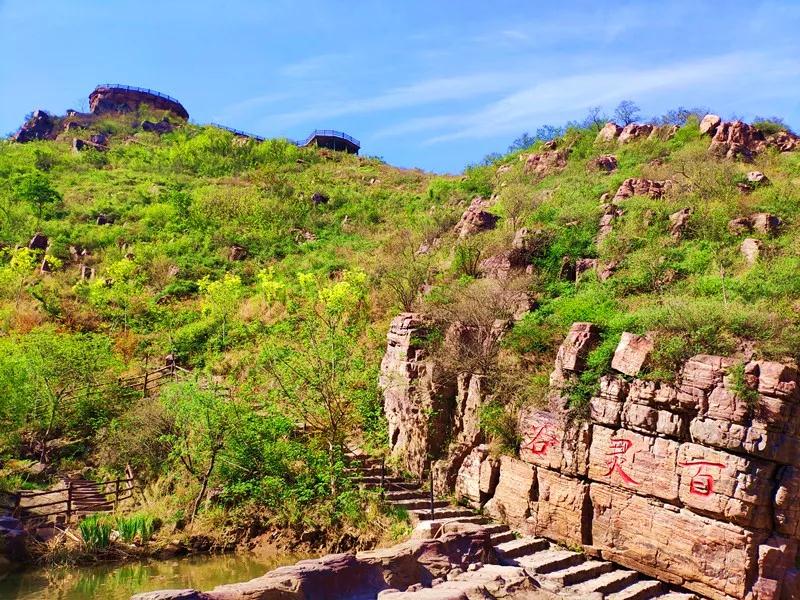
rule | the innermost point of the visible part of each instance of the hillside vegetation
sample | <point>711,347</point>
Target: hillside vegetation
<point>285,342</point>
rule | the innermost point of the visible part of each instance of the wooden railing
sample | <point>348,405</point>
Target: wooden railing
<point>77,498</point>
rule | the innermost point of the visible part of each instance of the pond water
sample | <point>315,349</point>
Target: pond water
<point>120,582</point>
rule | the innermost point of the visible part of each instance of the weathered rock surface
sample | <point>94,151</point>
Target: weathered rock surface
<point>38,242</point>
<point>631,353</point>
<point>750,249</point>
<point>476,218</point>
<point>545,163</point>
<point>160,127</point>
<point>606,162</point>
<point>122,100</point>
<point>414,402</point>
<point>634,131</point>
<point>694,482</point>
<point>349,576</point>
<point>41,126</point>
<point>678,222</point>
<point>709,124</point>
<point>637,186</point>
<point>514,491</point>
<point>734,139</point>
<point>611,212</point>
<point>609,132</point>
<point>571,356</point>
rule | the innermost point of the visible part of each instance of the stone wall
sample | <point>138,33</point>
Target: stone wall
<point>695,483</point>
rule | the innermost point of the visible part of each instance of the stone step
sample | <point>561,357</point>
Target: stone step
<point>551,560</point>
<point>608,583</point>
<point>493,528</point>
<point>377,479</point>
<point>472,518</point>
<point>591,569</point>
<point>419,504</point>
<point>641,590</point>
<point>678,596</point>
<point>395,486</point>
<point>522,547</point>
<point>502,537</point>
<point>392,495</point>
<point>442,513</point>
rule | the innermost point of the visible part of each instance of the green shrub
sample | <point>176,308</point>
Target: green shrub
<point>96,531</point>
<point>140,525</point>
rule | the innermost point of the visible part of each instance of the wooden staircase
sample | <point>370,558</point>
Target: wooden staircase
<point>569,574</point>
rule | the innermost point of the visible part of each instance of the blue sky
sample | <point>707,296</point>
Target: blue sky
<point>433,84</point>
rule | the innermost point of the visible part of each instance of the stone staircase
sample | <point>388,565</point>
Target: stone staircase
<point>566,573</point>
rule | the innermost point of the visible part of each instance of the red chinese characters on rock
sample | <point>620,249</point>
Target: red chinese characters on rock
<point>702,482</point>
<point>541,440</point>
<point>616,453</point>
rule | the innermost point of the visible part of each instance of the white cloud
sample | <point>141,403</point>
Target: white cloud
<point>417,94</point>
<point>564,97</point>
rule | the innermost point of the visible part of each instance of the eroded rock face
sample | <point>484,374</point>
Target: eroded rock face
<point>121,100</point>
<point>545,163</point>
<point>631,354</point>
<point>414,402</point>
<point>41,126</point>
<point>750,250</point>
<point>571,356</point>
<point>609,132</point>
<point>476,218</point>
<point>349,576</point>
<point>634,131</point>
<point>709,124</point>
<point>736,139</point>
<point>514,491</point>
<point>637,186</point>
<point>678,222</point>
<point>160,127</point>
<point>606,162</point>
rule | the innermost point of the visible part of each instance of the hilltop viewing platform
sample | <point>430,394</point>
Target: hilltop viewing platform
<point>333,140</point>
<point>115,97</point>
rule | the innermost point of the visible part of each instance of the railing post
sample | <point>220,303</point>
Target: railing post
<point>69,502</point>
<point>144,389</point>
<point>431,482</point>
<point>116,494</point>
<point>383,477</point>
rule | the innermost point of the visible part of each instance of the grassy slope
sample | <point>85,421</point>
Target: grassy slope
<point>181,200</point>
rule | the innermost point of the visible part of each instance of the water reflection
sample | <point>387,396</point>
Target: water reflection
<point>119,582</point>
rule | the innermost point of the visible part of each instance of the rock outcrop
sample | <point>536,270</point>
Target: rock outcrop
<point>606,162</point>
<point>736,139</point>
<point>41,126</point>
<point>609,132</point>
<point>123,99</point>
<point>637,186</point>
<point>415,403</point>
<point>545,163</point>
<point>693,482</point>
<point>634,131</point>
<point>362,575</point>
<point>476,218</point>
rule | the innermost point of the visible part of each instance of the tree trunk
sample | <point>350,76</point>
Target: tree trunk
<point>204,486</point>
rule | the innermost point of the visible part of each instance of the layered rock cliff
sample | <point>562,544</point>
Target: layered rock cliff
<point>693,482</point>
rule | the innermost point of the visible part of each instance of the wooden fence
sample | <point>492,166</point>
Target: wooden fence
<point>78,498</point>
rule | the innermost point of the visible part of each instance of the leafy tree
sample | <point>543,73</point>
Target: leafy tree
<point>626,112</point>
<point>221,298</point>
<point>15,275</point>
<point>35,188</point>
<point>202,419</point>
<point>52,384</point>
<point>317,365</point>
